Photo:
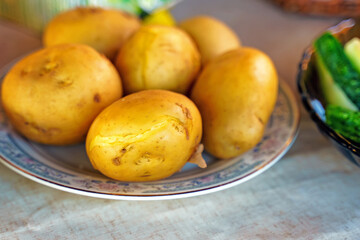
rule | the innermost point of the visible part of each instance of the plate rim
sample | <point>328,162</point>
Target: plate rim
<point>177,195</point>
<point>196,192</point>
<point>171,196</point>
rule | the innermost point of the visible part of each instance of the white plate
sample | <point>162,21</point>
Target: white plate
<point>68,168</point>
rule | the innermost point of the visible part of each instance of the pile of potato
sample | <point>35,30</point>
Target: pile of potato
<point>72,90</point>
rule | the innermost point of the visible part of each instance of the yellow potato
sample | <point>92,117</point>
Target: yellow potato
<point>103,29</point>
<point>148,135</point>
<point>53,95</point>
<point>212,36</point>
<point>158,57</point>
<point>236,94</point>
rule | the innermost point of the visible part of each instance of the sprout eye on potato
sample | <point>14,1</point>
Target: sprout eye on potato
<point>148,135</point>
<point>53,95</point>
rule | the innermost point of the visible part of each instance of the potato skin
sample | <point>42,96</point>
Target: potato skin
<point>148,135</point>
<point>103,29</point>
<point>236,94</point>
<point>53,95</point>
<point>158,57</point>
<point>212,36</point>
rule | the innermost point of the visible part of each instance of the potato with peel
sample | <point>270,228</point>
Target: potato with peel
<point>158,57</point>
<point>148,135</point>
<point>103,29</point>
<point>53,95</point>
<point>212,36</point>
<point>236,94</point>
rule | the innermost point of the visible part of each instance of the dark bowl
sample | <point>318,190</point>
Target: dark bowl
<point>312,99</point>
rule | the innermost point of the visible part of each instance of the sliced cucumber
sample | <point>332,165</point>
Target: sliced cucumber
<point>352,51</point>
<point>344,121</point>
<point>339,80</point>
<point>331,91</point>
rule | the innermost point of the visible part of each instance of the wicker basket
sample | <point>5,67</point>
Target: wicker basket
<point>345,8</point>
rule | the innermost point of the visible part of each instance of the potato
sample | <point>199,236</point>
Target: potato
<point>103,29</point>
<point>236,94</point>
<point>212,36</point>
<point>53,95</point>
<point>158,57</point>
<point>148,135</point>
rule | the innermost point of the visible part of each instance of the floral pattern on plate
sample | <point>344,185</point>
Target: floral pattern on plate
<point>68,169</point>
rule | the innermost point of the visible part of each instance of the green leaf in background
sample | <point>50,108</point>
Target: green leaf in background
<point>35,14</point>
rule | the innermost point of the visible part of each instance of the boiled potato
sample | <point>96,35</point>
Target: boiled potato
<point>212,36</point>
<point>103,29</point>
<point>236,94</point>
<point>148,135</point>
<point>158,57</point>
<point>53,95</point>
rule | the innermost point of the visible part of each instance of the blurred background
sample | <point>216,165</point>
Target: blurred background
<point>35,14</point>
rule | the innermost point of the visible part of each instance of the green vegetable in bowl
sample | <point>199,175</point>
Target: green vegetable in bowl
<point>339,79</point>
<point>344,121</point>
<point>339,73</point>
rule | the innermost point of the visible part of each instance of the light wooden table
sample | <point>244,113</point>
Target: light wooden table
<point>312,193</point>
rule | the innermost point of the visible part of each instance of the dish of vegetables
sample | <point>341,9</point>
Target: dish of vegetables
<point>339,73</point>
<point>329,84</point>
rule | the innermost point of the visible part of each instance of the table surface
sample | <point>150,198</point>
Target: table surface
<point>311,193</point>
